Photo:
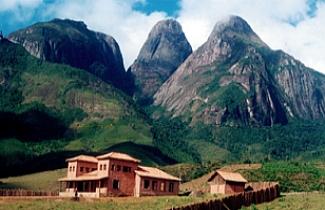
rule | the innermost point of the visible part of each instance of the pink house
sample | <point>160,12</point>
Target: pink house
<point>115,174</point>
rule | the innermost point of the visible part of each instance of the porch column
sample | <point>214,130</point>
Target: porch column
<point>99,187</point>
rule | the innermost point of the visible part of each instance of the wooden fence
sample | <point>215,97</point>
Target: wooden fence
<point>21,192</point>
<point>236,201</point>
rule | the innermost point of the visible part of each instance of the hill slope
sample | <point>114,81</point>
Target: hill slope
<point>51,111</point>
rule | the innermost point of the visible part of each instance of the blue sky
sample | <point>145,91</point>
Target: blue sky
<point>8,24</point>
<point>171,7</point>
<point>295,26</point>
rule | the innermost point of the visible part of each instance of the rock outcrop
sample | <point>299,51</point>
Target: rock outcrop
<point>234,78</point>
<point>71,42</point>
<point>164,50</point>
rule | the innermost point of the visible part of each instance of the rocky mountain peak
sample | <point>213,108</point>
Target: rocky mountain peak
<point>166,26</point>
<point>233,28</point>
<point>164,50</point>
<point>71,42</point>
<point>77,24</point>
<point>232,23</point>
<point>165,34</point>
<point>234,78</point>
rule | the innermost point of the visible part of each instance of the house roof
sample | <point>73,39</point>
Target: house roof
<point>86,158</point>
<point>85,177</point>
<point>119,156</point>
<point>144,171</point>
<point>228,176</point>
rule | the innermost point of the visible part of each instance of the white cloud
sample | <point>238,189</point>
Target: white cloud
<point>13,4</point>
<point>21,10</point>
<point>269,19</point>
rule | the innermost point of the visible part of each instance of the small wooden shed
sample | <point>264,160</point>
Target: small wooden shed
<point>226,182</point>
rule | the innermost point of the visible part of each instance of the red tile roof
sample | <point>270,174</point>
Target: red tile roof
<point>144,171</point>
<point>119,156</point>
<point>86,158</point>
<point>228,176</point>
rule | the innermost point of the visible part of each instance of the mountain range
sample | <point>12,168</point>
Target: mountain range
<point>235,78</point>
<point>65,90</point>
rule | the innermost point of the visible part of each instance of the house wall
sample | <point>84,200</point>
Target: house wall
<point>137,186</point>
<point>126,179</point>
<point>160,188</point>
<point>217,185</point>
<point>85,166</point>
<point>103,167</point>
<point>72,169</point>
<point>234,187</point>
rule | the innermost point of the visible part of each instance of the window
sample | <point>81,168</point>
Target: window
<point>118,168</point>
<point>93,169</point>
<point>171,187</point>
<point>87,170</point>
<point>154,185</point>
<point>81,169</point>
<point>116,184</point>
<point>126,169</point>
<point>113,167</point>
<point>73,168</point>
<point>104,167</point>
<point>146,184</point>
<point>162,186</point>
<point>101,167</point>
<point>70,169</point>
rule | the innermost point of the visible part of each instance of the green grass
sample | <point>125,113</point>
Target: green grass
<point>98,136</point>
<point>304,201</point>
<point>10,147</point>
<point>42,181</point>
<point>156,202</point>
<point>209,151</point>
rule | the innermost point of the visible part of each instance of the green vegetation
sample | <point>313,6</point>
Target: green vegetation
<point>310,201</point>
<point>42,181</point>
<point>188,172</point>
<point>156,202</point>
<point>169,136</point>
<point>49,110</point>
<point>292,176</point>
<point>207,143</point>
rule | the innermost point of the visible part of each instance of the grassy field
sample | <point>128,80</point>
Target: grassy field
<point>303,201</point>
<point>43,181</point>
<point>127,203</point>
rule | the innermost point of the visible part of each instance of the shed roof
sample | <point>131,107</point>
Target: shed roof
<point>228,176</point>
<point>144,171</point>
<point>86,158</point>
<point>119,156</point>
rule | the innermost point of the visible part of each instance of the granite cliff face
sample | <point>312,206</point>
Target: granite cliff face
<point>71,42</point>
<point>164,50</point>
<point>234,78</point>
